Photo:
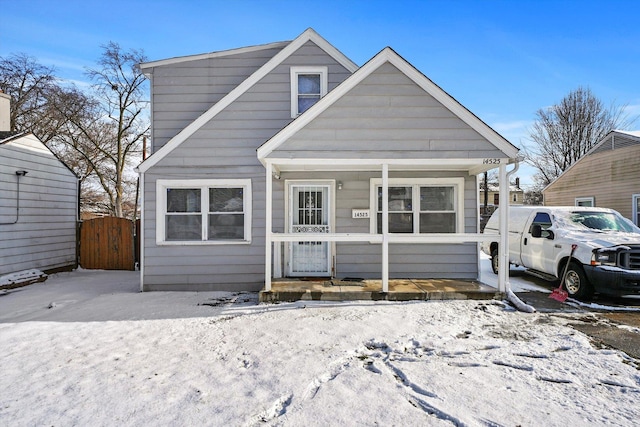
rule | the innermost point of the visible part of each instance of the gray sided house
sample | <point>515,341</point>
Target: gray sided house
<point>288,160</point>
<point>38,205</point>
<point>607,176</point>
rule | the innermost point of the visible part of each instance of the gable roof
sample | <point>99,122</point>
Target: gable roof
<point>150,65</point>
<point>631,138</point>
<point>7,139</point>
<point>306,36</point>
<point>609,142</point>
<point>390,56</point>
<point>6,136</point>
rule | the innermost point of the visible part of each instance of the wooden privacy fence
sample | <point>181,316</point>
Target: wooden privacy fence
<point>108,243</point>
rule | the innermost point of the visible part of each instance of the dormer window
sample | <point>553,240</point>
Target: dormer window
<point>308,85</point>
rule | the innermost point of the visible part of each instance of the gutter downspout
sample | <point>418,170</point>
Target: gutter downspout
<point>503,247</point>
<point>18,175</point>
<point>141,232</point>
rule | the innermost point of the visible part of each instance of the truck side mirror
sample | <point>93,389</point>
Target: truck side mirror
<point>536,230</point>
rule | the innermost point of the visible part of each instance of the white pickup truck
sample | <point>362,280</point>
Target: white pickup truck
<point>606,258</point>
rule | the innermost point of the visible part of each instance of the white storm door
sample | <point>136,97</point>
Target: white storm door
<point>309,212</point>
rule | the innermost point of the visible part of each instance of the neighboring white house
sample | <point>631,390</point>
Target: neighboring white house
<point>38,203</point>
<point>289,160</point>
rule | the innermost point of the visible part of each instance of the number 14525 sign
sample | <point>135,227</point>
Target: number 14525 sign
<point>490,161</point>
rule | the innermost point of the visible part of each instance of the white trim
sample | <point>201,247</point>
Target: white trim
<point>161,202</point>
<point>322,71</point>
<point>308,35</point>
<point>453,238</point>
<point>503,227</point>
<point>141,236</point>
<point>591,199</point>
<point>470,166</point>
<point>268,230</point>
<point>221,53</point>
<point>380,161</point>
<point>288,206</point>
<point>385,226</point>
<point>389,55</point>
<point>457,183</point>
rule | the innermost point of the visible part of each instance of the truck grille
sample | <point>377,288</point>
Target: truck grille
<point>630,259</point>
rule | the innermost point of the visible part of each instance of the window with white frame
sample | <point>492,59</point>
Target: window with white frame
<point>203,211</point>
<point>636,209</point>
<point>585,201</point>
<point>421,205</point>
<point>308,85</point>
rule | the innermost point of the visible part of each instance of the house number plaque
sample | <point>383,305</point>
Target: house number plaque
<point>359,213</point>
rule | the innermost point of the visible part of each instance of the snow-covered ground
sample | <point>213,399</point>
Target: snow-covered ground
<point>85,348</point>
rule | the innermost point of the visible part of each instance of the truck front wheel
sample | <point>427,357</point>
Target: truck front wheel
<point>494,260</point>
<point>576,282</point>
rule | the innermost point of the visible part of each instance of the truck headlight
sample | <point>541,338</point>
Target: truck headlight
<point>603,258</point>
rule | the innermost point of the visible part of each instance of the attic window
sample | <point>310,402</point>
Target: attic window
<point>308,85</point>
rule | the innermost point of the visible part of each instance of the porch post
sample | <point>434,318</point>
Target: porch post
<point>503,226</point>
<point>268,228</point>
<point>385,227</point>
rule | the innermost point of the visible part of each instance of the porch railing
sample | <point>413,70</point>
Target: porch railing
<point>432,238</point>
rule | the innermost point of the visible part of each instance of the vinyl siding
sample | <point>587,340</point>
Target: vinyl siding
<point>611,177</point>
<point>225,148</point>
<point>183,91</point>
<point>45,235</point>
<point>405,261</point>
<point>387,115</point>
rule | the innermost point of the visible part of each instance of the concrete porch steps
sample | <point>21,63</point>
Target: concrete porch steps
<point>371,290</point>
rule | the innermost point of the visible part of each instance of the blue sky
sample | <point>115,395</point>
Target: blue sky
<point>501,59</point>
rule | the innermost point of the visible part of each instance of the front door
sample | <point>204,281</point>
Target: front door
<point>309,212</point>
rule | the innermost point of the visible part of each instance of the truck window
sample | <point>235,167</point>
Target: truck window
<point>602,221</point>
<point>544,220</point>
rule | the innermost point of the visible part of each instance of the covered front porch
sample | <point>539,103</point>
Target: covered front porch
<point>378,180</point>
<point>386,285</point>
<point>327,289</point>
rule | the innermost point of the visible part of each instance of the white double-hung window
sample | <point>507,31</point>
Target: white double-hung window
<point>308,85</point>
<point>203,211</point>
<point>420,205</point>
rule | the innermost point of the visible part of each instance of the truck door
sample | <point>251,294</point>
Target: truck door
<point>538,252</point>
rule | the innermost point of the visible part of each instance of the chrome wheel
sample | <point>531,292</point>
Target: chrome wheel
<point>576,282</point>
<point>572,282</point>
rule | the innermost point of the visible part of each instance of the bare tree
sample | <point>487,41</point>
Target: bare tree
<point>566,131</point>
<point>120,87</point>
<point>29,84</point>
<point>97,133</point>
<point>533,194</point>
